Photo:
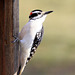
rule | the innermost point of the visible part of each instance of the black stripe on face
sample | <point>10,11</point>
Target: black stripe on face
<point>33,15</point>
<point>37,10</point>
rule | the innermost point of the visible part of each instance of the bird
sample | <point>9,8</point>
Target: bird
<point>30,37</point>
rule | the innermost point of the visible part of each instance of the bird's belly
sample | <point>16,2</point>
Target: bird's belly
<point>25,48</point>
<point>25,45</point>
<point>27,41</point>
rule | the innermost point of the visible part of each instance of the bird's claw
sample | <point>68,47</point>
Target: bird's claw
<point>16,39</point>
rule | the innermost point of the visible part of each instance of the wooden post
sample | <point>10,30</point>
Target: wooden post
<point>9,26</point>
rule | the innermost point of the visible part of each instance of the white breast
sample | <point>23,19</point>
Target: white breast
<point>28,32</point>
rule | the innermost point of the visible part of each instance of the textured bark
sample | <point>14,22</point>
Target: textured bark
<point>9,26</point>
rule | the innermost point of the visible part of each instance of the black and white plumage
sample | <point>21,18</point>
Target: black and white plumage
<point>30,37</point>
<point>37,41</point>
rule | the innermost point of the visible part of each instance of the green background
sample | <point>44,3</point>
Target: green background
<point>56,53</point>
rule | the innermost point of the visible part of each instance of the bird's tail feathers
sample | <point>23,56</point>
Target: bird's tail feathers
<point>18,73</point>
<point>20,70</point>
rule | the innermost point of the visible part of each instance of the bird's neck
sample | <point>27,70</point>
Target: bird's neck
<point>35,25</point>
<point>38,20</point>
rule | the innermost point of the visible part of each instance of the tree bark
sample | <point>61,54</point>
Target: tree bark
<point>9,26</point>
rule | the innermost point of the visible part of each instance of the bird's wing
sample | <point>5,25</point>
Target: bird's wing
<point>36,43</point>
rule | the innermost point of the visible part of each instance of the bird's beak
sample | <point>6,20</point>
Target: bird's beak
<point>48,12</point>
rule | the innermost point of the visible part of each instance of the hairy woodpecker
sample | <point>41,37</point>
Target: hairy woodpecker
<point>30,37</point>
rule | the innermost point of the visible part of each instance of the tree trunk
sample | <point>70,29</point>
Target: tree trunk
<point>9,26</point>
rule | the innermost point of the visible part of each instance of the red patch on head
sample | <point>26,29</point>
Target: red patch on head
<point>31,13</point>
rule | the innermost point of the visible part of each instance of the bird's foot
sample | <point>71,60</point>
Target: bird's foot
<point>16,39</point>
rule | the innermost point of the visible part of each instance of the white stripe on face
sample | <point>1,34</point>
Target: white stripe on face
<point>36,12</point>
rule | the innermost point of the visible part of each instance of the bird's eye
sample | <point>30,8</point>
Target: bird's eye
<point>39,13</point>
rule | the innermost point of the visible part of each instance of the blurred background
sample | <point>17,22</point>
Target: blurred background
<point>56,53</point>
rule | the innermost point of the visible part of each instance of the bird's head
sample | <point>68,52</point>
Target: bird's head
<point>37,14</point>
